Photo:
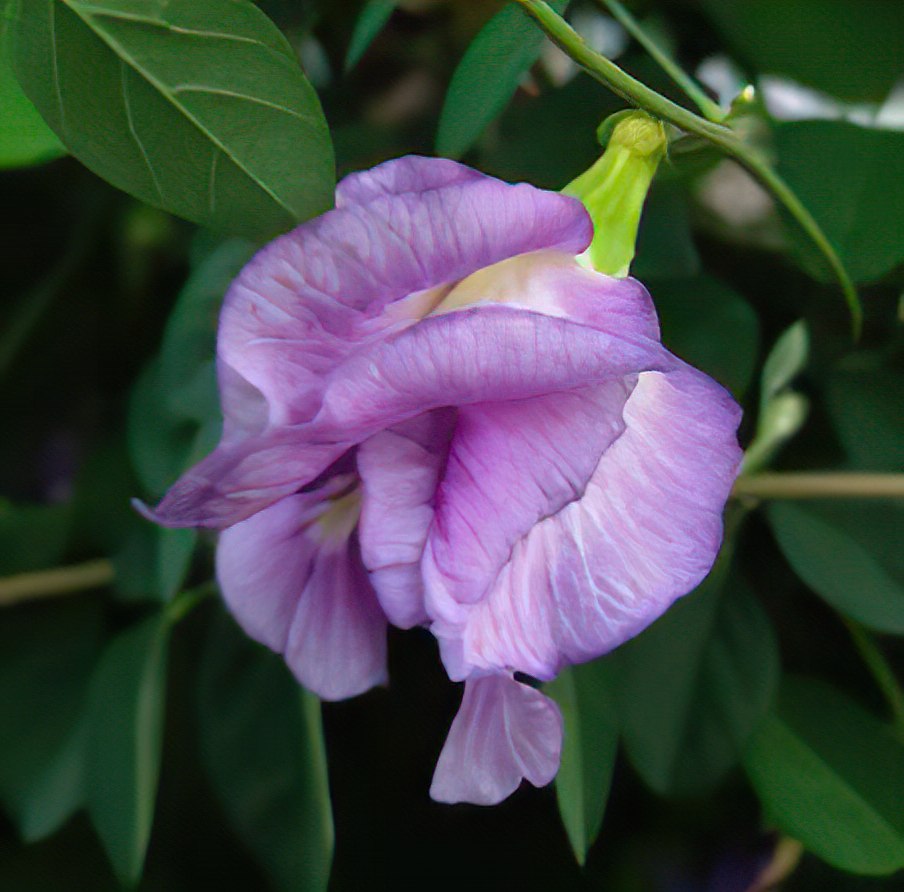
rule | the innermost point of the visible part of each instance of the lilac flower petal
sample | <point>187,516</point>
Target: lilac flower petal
<point>302,591</point>
<point>644,532</point>
<point>486,354</point>
<point>413,173</point>
<point>400,469</point>
<point>504,732</point>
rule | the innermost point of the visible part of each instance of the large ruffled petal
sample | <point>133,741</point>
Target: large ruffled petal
<point>504,732</point>
<point>644,530</point>
<point>313,296</point>
<point>403,235</point>
<point>293,578</point>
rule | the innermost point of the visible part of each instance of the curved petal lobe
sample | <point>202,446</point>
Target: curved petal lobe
<point>399,469</point>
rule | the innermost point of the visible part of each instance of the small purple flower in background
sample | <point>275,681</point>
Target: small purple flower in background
<point>435,415</point>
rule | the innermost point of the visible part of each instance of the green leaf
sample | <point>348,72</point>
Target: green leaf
<point>831,775</point>
<point>783,411</point>
<point>198,107</point>
<point>850,554</point>
<point>696,684</point>
<point>24,137</point>
<point>47,653</point>
<point>125,739</point>
<point>711,326</point>
<point>822,43</point>
<point>865,408</point>
<point>154,562</point>
<point>852,181</point>
<point>586,697</point>
<point>262,746</point>
<point>174,412</point>
<point>487,77</point>
<point>369,24</point>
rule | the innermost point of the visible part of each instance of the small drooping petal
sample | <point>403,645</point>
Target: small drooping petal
<point>645,530</point>
<point>293,578</point>
<point>504,732</point>
<point>399,469</point>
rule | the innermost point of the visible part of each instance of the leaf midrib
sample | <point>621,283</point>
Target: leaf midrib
<point>164,91</point>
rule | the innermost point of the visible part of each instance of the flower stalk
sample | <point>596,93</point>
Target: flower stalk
<point>819,485</point>
<point>58,581</point>
<point>722,137</point>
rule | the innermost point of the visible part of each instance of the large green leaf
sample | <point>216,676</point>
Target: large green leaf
<point>852,48</point>
<point>849,553</point>
<point>586,696</point>
<point>711,326</point>
<point>195,106</point>
<point>124,746</point>
<point>24,137</point>
<point>262,746</point>
<point>696,684</point>
<point>47,653</point>
<point>831,775</point>
<point>852,180</point>
<point>487,77</point>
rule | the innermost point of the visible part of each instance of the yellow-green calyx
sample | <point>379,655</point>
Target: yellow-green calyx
<point>614,189</point>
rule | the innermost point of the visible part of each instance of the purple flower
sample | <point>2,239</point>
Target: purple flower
<point>435,415</point>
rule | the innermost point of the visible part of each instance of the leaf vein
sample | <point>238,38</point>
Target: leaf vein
<point>164,91</point>
<point>127,102</point>
<point>256,100</point>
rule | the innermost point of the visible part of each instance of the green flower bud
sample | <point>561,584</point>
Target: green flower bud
<point>614,189</point>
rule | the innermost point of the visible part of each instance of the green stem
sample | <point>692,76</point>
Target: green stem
<point>712,111</point>
<point>819,485</point>
<point>58,581</point>
<point>881,672</point>
<point>725,139</point>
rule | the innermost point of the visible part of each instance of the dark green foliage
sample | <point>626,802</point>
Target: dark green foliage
<point>147,743</point>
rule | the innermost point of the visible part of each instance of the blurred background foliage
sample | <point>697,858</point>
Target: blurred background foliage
<point>749,737</point>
